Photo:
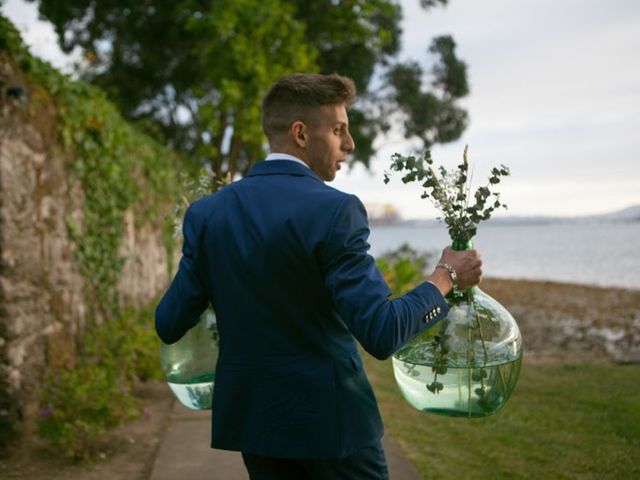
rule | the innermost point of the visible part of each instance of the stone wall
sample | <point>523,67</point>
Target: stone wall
<point>42,304</point>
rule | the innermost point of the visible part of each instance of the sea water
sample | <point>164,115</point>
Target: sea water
<point>196,392</point>
<point>457,391</point>
<point>585,253</point>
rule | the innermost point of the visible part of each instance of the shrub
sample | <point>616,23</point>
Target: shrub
<point>82,403</point>
<point>403,268</point>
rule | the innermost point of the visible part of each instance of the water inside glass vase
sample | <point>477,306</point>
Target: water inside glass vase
<point>189,364</point>
<point>466,365</point>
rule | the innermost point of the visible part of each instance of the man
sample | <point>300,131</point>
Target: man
<point>283,259</point>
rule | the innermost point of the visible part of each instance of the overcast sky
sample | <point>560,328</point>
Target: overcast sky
<point>555,95</point>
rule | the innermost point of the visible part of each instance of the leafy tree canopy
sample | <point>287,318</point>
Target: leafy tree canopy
<point>193,72</point>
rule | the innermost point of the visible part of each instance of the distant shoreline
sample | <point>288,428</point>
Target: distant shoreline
<point>564,284</point>
<point>506,221</point>
<point>630,214</point>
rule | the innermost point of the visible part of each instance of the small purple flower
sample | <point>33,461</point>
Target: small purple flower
<point>47,411</point>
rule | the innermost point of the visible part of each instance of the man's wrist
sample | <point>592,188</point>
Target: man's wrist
<point>452,273</point>
<point>441,279</point>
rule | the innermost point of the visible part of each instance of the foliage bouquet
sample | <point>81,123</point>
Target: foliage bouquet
<point>467,364</point>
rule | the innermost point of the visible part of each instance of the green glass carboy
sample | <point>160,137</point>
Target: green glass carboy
<point>189,364</point>
<point>466,365</point>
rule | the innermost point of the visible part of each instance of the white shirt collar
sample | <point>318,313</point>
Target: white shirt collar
<point>284,156</point>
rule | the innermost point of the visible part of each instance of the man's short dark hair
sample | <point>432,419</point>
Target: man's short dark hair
<point>295,97</point>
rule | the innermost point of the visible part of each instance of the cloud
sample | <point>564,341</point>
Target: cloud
<point>37,34</point>
<point>555,94</point>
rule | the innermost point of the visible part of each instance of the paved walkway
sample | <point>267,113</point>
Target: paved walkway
<point>184,453</point>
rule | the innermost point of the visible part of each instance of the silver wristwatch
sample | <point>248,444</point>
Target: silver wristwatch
<point>452,273</point>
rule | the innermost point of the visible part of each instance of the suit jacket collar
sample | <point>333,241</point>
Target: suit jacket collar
<point>282,167</point>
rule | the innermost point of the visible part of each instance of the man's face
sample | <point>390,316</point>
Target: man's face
<point>329,141</point>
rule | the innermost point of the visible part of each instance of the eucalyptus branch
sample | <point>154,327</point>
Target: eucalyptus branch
<point>450,191</point>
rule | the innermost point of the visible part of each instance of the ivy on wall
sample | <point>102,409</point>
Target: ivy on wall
<point>118,167</point>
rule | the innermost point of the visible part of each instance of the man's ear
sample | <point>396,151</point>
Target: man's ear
<point>299,134</point>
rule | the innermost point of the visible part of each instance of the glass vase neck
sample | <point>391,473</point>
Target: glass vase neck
<point>456,296</point>
<point>461,245</point>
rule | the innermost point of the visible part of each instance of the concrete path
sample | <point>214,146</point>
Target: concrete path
<point>184,453</point>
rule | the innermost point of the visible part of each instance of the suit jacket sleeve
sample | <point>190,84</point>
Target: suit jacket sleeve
<point>360,293</point>
<point>185,300</point>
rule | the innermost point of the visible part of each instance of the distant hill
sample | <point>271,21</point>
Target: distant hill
<point>629,214</point>
<point>626,214</point>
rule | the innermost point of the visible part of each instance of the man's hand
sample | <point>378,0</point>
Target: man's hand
<point>467,266</point>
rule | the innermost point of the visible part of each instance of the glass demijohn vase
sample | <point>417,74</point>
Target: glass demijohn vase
<point>189,364</point>
<point>466,365</point>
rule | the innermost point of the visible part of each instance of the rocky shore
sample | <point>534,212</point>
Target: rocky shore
<point>572,323</point>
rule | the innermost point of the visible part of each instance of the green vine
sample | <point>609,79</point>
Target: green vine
<point>118,167</point>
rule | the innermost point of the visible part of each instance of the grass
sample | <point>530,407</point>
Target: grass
<point>562,422</point>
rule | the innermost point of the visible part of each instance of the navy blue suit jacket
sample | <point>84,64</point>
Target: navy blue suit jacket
<point>283,259</point>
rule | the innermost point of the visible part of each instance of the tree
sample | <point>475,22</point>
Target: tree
<point>193,72</point>
<point>432,116</point>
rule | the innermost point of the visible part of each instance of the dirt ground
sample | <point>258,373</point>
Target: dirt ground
<point>126,453</point>
<point>559,323</point>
